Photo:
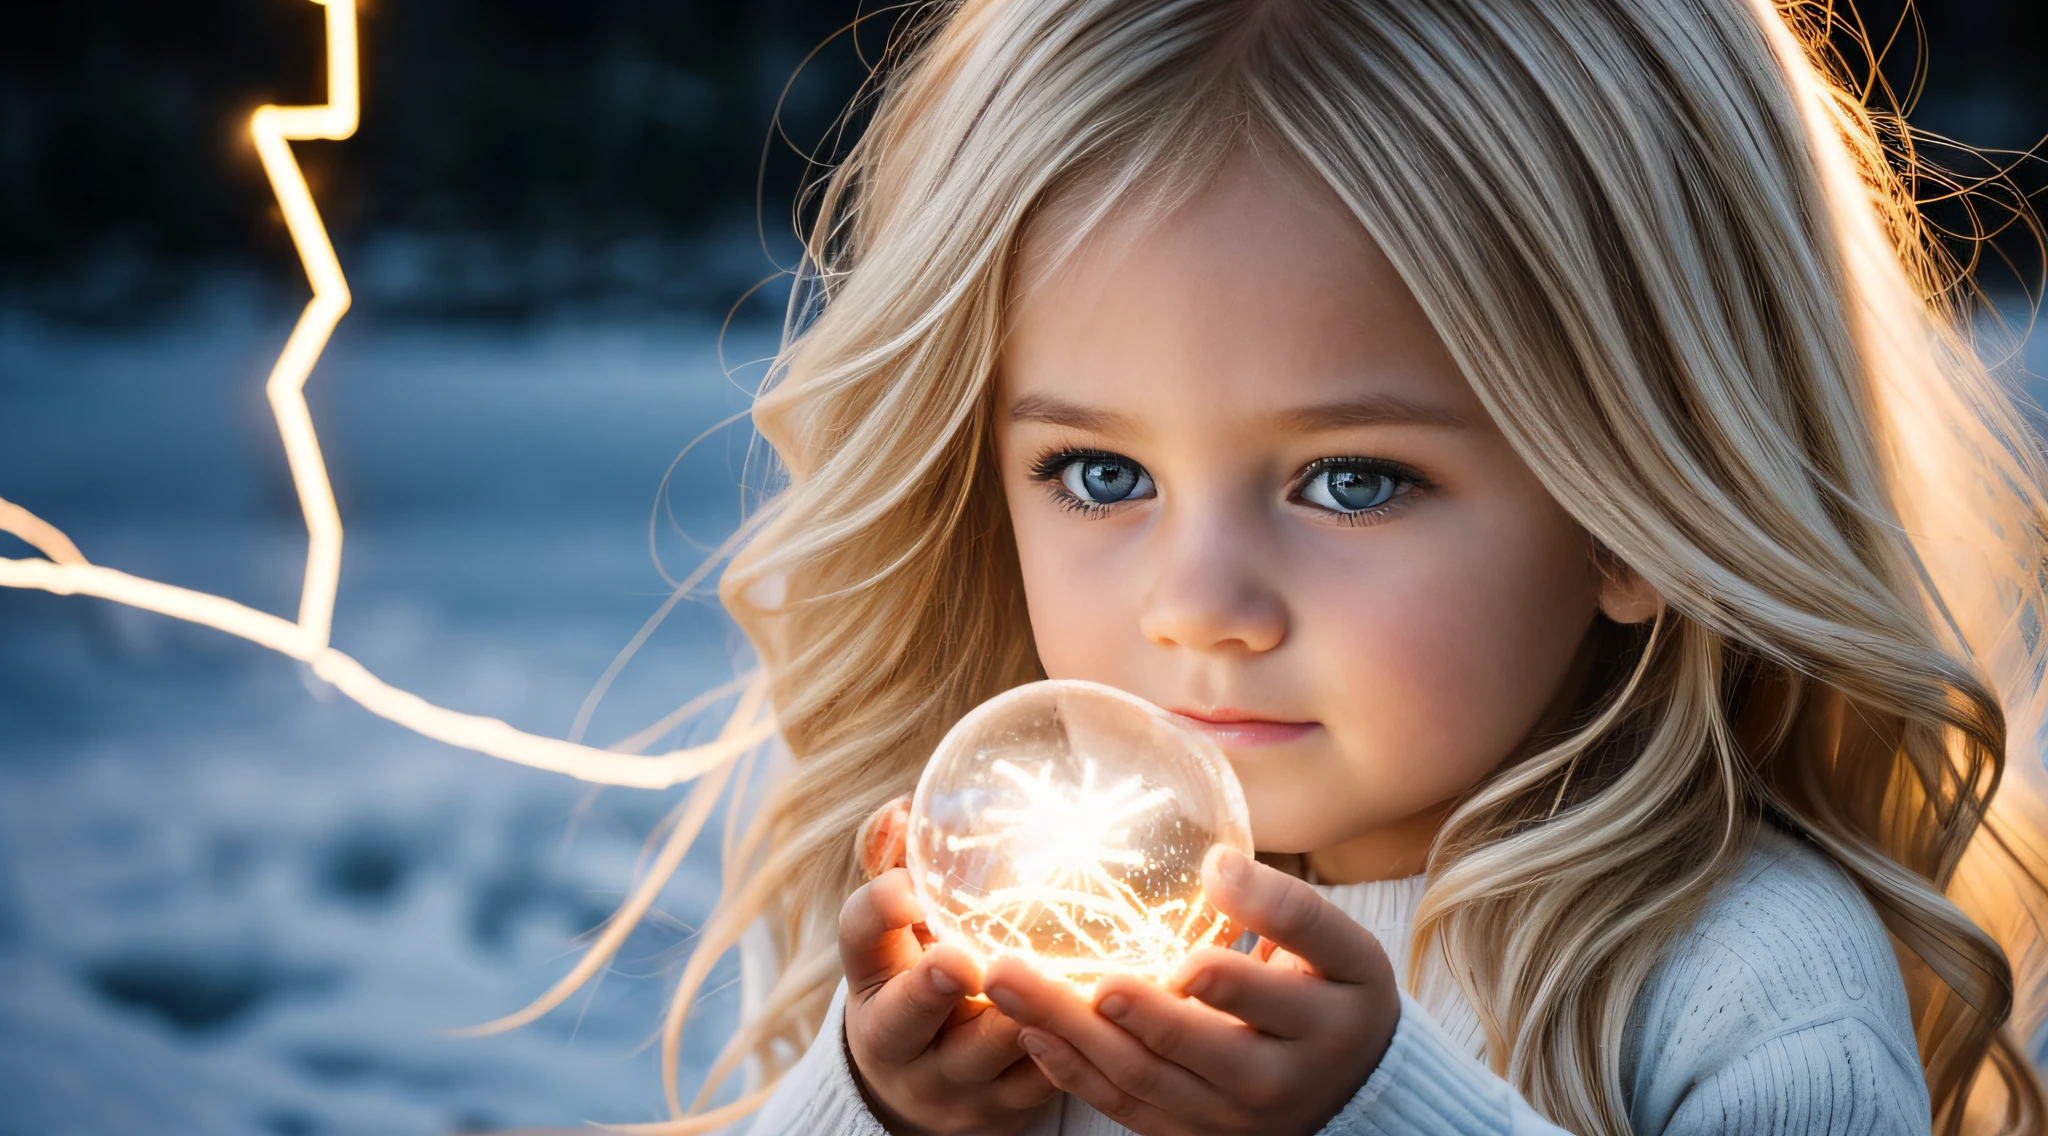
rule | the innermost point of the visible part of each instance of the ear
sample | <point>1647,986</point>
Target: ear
<point>1624,596</point>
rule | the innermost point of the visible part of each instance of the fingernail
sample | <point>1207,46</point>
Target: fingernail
<point>1004,1000</point>
<point>1033,1044</point>
<point>1230,862</point>
<point>943,983</point>
<point>1115,1007</point>
<point>1196,985</point>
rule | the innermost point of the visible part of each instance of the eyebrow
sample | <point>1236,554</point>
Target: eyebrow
<point>1371,410</point>
<point>1059,412</point>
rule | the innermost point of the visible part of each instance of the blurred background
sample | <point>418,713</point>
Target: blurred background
<point>233,903</point>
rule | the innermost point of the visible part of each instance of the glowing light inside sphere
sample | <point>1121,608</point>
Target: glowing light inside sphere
<point>1066,823</point>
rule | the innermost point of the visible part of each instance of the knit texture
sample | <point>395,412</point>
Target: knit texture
<point>1781,1011</point>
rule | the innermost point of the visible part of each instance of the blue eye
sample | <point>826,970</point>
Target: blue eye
<point>1105,480</point>
<point>1349,489</point>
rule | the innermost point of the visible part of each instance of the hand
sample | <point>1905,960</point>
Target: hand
<point>930,1059</point>
<point>1274,1043</point>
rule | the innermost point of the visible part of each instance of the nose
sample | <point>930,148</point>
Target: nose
<point>1213,591</point>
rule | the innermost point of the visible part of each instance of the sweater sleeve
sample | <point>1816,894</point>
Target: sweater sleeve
<point>1835,1077</point>
<point>1781,1013</point>
<point>818,1095</point>
<point>1426,1086</point>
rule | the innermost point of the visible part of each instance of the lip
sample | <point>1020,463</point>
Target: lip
<point>1237,729</point>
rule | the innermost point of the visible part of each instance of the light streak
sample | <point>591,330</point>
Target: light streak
<point>64,570</point>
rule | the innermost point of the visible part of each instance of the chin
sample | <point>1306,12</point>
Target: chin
<point>1289,803</point>
<point>1282,826</point>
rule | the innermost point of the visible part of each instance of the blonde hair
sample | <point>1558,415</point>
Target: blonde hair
<point>1672,251</point>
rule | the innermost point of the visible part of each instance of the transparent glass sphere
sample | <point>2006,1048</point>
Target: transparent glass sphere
<point>1066,822</point>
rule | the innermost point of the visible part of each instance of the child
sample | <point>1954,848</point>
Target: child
<point>1529,435</point>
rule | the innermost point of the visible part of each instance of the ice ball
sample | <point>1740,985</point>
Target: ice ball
<point>1066,823</point>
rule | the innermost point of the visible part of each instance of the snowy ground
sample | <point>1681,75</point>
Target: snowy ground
<point>233,903</point>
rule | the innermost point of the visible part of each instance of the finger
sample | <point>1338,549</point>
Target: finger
<point>1064,1066</point>
<point>1275,1000</point>
<point>1031,998</point>
<point>1232,932</point>
<point>979,1049</point>
<point>881,837</point>
<point>1277,957</point>
<point>1207,1042</point>
<point>1022,1086</point>
<point>1289,912</point>
<point>875,938</point>
<point>1046,1006</point>
<point>899,1021</point>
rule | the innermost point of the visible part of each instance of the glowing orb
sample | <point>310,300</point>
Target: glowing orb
<point>1066,823</point>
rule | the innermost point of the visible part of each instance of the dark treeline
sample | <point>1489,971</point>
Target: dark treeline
<point>522,152</point>
<point>510,152</point>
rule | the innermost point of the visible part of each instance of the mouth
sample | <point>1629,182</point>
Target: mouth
<point>1235,729</point>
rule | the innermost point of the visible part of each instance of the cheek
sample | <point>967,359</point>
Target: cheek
<point>1076,585</point>
<point>1449,657</point>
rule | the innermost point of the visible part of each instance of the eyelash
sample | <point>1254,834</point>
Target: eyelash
<point>1048,468</point>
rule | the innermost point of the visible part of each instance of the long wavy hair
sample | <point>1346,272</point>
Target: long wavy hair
<point>1676,252</point>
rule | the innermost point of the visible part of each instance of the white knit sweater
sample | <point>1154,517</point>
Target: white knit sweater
<point>1782,1011</point>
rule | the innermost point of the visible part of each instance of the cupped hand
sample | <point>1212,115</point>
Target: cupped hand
<point>931,1059</point>
<point>1274,1042</point>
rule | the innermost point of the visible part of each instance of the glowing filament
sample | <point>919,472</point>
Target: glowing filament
<point>1066,823</point>
<point>1064,837</point>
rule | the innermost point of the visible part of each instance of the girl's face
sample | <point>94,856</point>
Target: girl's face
<point>1249,484</point>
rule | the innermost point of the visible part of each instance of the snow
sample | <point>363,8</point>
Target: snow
<point>231,902</point>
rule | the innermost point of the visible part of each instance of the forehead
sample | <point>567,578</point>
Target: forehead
<point>1258,296</point>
